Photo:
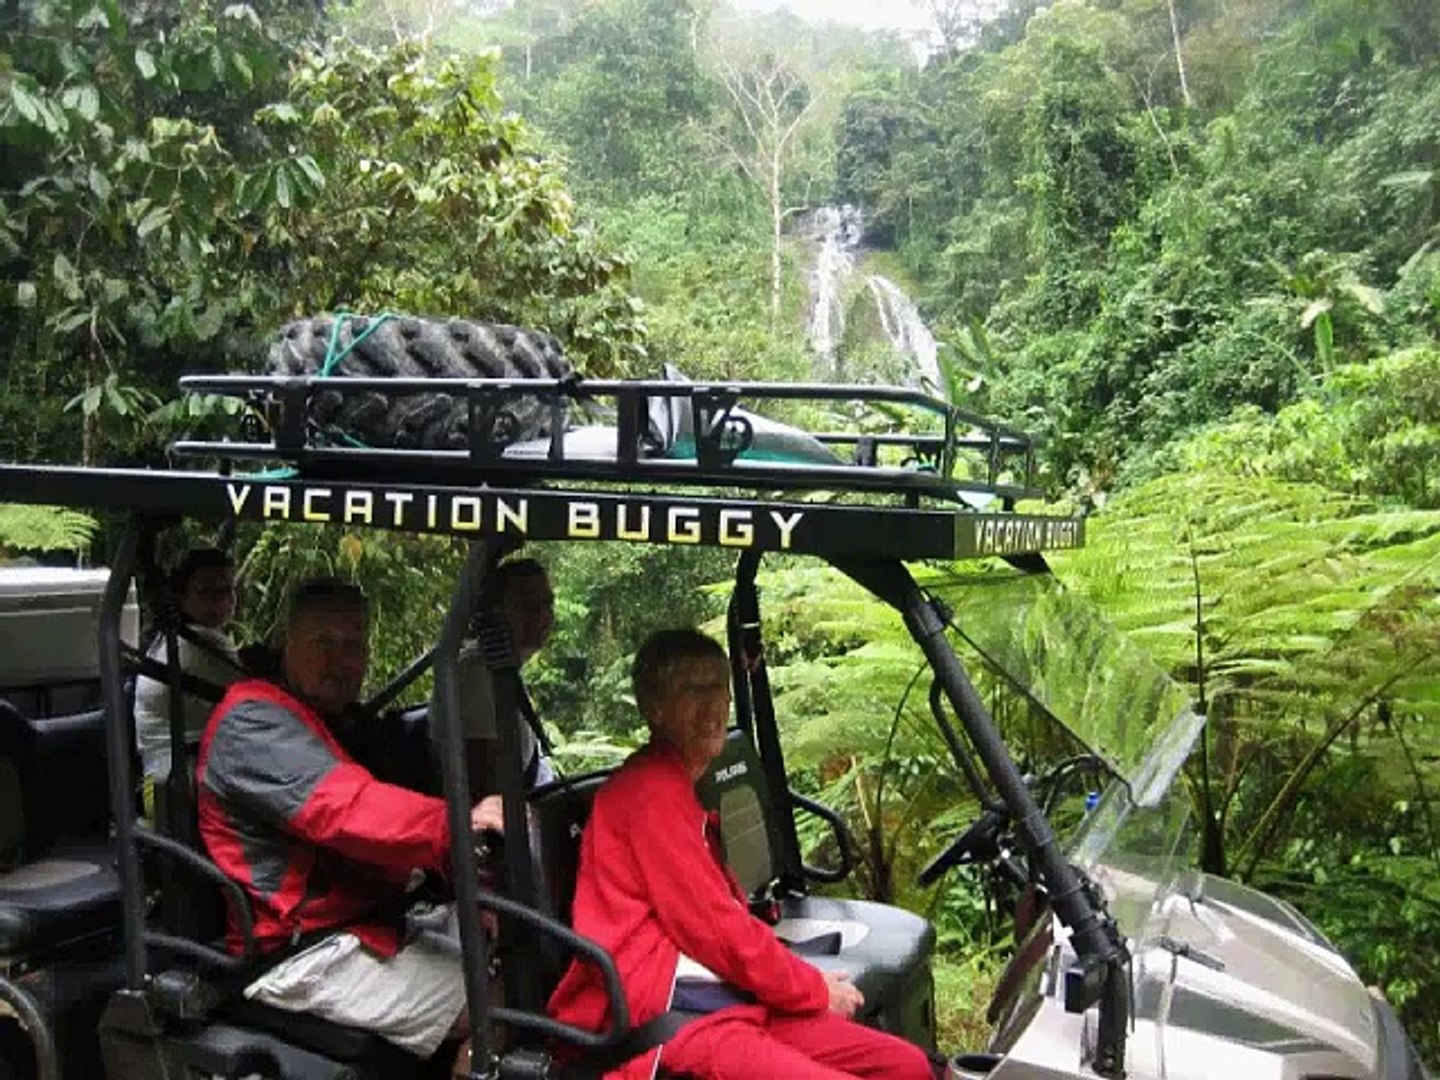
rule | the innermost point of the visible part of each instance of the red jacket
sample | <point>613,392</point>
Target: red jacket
<point>316,841</point>
<point>650,888</point>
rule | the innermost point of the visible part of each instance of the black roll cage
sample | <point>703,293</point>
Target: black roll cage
<point>449,493</point>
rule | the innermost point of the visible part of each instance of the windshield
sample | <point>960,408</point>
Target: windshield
<point>1053,647</point>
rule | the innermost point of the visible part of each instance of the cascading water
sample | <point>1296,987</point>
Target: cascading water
<point>901,321</point>
<point>837,231</point>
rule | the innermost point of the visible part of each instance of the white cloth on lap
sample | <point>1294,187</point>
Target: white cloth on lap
<point>412,998</point>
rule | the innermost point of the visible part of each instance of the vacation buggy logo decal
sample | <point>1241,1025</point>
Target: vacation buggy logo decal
<point>581,518</point>
<point>550,514</point>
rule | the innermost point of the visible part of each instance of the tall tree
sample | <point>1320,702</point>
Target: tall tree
<point>770,103</point>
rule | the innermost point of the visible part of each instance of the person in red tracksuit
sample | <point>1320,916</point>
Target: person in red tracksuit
<point>320,845</point>
<point>654,892</point>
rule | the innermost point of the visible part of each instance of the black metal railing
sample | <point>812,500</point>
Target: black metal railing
<point>951,452</point>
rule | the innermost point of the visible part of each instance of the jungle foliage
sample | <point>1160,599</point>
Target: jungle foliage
<point>1198,256</point>
<point>1148,254</point>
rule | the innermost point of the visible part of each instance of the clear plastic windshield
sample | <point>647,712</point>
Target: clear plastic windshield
<point>1054,648</point>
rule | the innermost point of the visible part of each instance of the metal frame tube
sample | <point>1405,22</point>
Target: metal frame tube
<point>450,744</point>
<point>47,1062</point>
<point>746,600</point>
<point>117,755</point>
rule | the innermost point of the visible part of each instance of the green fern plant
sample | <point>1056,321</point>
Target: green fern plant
<point>43,528</point>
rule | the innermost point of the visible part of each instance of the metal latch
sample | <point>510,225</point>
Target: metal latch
<point>1189,952</point>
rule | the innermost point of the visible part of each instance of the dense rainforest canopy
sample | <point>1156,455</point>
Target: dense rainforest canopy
<point>1195,243</point>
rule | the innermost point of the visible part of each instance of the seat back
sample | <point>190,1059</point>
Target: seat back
<point>54,785</point>
<point>396,747</point>
<point>734,786</point>
<point>17,757</point>
<point>558,813</point>
<point>74,794</point>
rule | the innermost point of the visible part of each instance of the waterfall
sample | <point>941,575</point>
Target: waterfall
<point>903,326</point>
<point>837,231</point>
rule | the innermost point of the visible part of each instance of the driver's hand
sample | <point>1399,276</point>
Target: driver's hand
<point>488,813</point>
<point>845,1000</point>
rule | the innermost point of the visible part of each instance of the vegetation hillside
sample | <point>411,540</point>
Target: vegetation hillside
<point>1191,242</point>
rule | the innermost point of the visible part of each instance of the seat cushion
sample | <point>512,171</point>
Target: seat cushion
<point>335,1041</point>
<point>884,961</point>
<point>71,893</point>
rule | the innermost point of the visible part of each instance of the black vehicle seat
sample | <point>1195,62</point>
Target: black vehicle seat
<point>891,957</point>
<point>558,812</point>
<point>888,961</point>
<point>58,884</point>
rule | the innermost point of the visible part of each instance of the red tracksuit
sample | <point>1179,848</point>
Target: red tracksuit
<point>651,888</point>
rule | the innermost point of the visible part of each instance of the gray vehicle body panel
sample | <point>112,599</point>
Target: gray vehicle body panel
<point>1264,997</point>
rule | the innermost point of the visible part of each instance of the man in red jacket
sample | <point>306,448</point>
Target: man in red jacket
<point>653,890</point>
<point>319,844</point>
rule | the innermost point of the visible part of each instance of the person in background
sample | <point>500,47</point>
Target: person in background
<point>655,892</point>
<point>516,617</point>
<point>203,589</point>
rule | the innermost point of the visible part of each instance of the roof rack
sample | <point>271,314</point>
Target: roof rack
<point>675,463</point>
<point>725,448</point>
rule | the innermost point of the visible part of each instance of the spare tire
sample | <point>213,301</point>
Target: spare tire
<point>408,347</point>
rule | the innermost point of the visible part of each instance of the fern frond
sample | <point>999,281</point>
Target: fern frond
<point>44,528</point>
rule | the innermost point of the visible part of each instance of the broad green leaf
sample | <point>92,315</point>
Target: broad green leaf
<point>145,63</point>
<point>98,184</point>
<point>311,170</point>
<point>26,104</point>
<point>155,219</point>
<point>1315,310</point>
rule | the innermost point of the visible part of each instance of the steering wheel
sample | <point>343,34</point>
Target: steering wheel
<point>977,844</point>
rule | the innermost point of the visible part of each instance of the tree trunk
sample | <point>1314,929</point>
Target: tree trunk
<point>775,215</point>
<point>1179,56</point>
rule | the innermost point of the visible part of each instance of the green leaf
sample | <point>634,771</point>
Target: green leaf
<point>44,528</point>
<point>1371,299</point>
<point>26,104</point>
<point>1412,178</point>
<point>94,19</point>
<point>1325,340</point>
<point>68,324</point>
<point>1314,311</point>
<point>62,269</point>
<point>98,184</point>
<point>84,100</point>
<point>145,64</point>
<point>25,294</point>
<point>282,187</point>
<point>311,170</point>
<point>155,219</point>
<point>87,401</point>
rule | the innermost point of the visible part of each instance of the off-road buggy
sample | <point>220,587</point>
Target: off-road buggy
<point>1127,963</point>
